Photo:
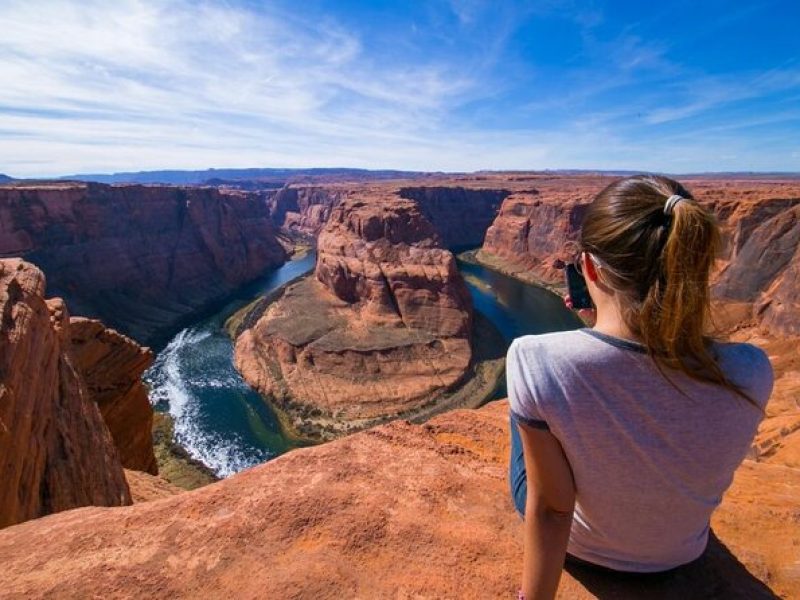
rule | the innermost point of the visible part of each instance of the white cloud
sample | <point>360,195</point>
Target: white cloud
<point>102,77</point>
<point>99,86</point>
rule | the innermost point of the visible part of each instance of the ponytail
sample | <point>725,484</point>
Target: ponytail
<point>659,246</point>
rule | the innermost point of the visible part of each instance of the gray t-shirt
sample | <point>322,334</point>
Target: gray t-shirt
<point>650,464</point>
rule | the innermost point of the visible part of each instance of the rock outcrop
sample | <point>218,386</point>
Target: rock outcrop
<point>400,511</point>
<point>533,236</point>
<point>111,366</point>
<point>57,452</point>
<point>460,215</point>
<point>762,263</point>
<point>141,258</point>
<point>382,329</point>
<point>303,210</point>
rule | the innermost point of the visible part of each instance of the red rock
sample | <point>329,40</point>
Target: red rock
<point>387,258</point>
<point>536,230</point>
<point>382,329</point>
<point>56,450</point>
<point>141,258</point>
<point>303,210</point>
<point>400,511</point>
<point>146,488</point>
<point>111,366</point>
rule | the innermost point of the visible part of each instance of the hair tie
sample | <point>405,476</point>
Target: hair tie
<point>672,201</point>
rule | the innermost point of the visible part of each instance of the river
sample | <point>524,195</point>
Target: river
<point>226,425</point>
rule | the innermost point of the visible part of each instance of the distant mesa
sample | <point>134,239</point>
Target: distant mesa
<point>269,177</point>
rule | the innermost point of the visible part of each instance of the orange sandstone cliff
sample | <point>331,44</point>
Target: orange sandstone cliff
<point>460,214</point>
<point>140,258</point>
<point>111,366</point>
<point>56,452</point>
<point>381,329</point>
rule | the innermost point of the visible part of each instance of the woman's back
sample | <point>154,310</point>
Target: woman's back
<point>650,463</point>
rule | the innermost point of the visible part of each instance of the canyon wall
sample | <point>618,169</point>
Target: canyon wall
<point>382,328</point>
<point>303,210</point>
<point>536,230</point>
<point>532,236</point>
<point>460,215</point>
<point>141,258</point>
<point>57,452</point>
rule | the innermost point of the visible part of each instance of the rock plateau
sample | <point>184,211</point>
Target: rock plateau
<point>399,511</point>
<point>381,329</point>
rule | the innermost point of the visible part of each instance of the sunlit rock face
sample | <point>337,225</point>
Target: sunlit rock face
<point>57,452</point>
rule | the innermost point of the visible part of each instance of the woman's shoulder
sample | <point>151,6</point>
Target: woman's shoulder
<point>554,341</point>
<point>748,366</point>
<point>548,350</point>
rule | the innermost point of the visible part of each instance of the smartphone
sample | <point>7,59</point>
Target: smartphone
<point>576,286</point>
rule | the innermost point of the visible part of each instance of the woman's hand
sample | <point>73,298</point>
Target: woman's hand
<point>588,315</point>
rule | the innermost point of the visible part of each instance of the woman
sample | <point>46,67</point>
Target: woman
<point>625,436</point>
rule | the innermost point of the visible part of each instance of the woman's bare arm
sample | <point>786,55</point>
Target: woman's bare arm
<point>548,512</point>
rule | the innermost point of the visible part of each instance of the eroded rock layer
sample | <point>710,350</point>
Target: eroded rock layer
<point>111,366</point>
<point>538,226</point>
<point>536,230</point>
<point>57,452</point>
<point>382,328</point>
<point>141,258</point>
<point>304,210</point>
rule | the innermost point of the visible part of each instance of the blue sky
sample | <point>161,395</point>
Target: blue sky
<point>684,86</point>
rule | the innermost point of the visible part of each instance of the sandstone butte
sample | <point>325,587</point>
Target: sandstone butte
<point>417,511</point>
<point>381,329</point>
<point>140,258</point>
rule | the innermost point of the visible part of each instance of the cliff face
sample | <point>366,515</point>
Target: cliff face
<point>399,511</point>
<point>534,234</point>
<point>460,215</point>
<point>763,261</point>
<point>111,366</point>
<point>386,257</point>
<point>381,329</point>
<point>56,450</point>
<point>141,258</point>
<point>303,210</point>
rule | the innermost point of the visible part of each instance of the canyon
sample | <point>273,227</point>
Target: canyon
<point>142,259</point>
<point>336,519</point>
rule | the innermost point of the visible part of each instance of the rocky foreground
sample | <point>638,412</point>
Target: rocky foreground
<point>399,511</point>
